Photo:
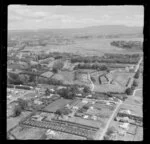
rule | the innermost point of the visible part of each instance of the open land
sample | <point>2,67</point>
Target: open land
<point>55,92</point>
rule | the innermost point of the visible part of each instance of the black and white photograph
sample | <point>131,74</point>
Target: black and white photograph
<point>75,72</point>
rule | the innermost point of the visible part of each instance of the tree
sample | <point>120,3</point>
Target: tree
<point>22,103</point>
<point>58,112</point>
<point>129,91</point>
<point>17,111</point>
<point>86,89</point>
<point>93,79</point>
<point>55,70</point>
<point>58,65</point>
<point>47,92</point>
<point>135,83</point>
<point>110,131</point>
<point>137,74</point>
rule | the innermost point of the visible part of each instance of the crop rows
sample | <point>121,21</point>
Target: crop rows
<point>84,131</point>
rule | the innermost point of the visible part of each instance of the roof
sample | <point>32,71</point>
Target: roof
<point>47,74</point>
<point>124,125</point>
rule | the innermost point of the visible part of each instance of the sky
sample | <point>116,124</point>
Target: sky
<point>22,17</point>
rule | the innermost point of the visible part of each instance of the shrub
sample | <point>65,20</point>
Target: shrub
<point>135,83</point>
<point>86,89</point>
<point>137,74</point>
<point>129,91</point>
<point>17,111</point>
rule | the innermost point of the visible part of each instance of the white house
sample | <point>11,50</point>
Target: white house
<point>124,126</point>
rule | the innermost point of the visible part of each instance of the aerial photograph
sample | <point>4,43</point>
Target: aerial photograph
<point>75,72</point>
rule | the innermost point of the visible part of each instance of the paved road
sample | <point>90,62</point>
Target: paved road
<point>109,121</point>
<point>137,66</point>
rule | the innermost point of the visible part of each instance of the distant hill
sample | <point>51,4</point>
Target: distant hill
<point>98,30</point>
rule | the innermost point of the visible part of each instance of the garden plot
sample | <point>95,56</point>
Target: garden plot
<point>58,104</point>
<point>13,121</point>
<point>139,134</point>
<point>60,135</point>
<point>27,133</point>
<point>121,77</point>
<point>109,88</point>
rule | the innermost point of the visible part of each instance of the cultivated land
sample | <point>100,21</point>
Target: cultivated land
<point>50,96</point>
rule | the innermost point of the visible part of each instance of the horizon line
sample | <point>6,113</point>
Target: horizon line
<point>70,28</point>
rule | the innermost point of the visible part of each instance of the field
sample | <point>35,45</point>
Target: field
<point>24,133</point>
<point>95,47</point>
<point>135,109</point>
<point>12,122</point>
<point>66,76</point>
<point>109,88</point>
<point>58,104</point>
<point>119,81</point>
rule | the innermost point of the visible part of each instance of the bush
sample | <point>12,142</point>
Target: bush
<point>86,89</point>
<point>137,74</point>
<point>135,83</point>
<point>23,104</point>
<point>93,79</point>
<point>17,111</point>
<point>129,91</point>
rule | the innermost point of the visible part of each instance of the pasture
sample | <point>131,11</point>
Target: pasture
<point>95,47</point>
<point>58,104</point>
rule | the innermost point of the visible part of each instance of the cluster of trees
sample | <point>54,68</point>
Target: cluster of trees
<point>107,58</point>
<point>127,44</point>
<point>96,66</point>
<point>71,91</point>
<point>109,133</point>
<point>21,106</point>
<point>64,111</point>
<point>137,74</point>
<point>129,91</point>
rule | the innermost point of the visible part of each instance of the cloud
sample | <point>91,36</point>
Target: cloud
<point>24,13</point>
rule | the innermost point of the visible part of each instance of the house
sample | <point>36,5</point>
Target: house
<point>52,90</point>
<point>37,102</point>
<point>89,95</point>
<point>85,116</point>
<point>61,87</point>
<point>47,74</point>
<point>125,111</point>
<point>79,94</point>
<point>50,132</point>
<point>124,126</point>
<point>37,117</point>
<point>75,107</point>
<point>94,117</point>
<point>84,101</point>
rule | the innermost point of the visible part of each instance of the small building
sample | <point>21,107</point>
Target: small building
<point>61,87</point>
<point>125,111</point>
<point>124,126</point>
<point>75,107</point>
<point>84,101</point>
<point>94,117</point>
<point>85,116</point>
<point>38,102</point>
<point>89,95</point>
<point>52,90</point>
<point>79,94</point>
<point>47,74</point>
<point>37,117</point>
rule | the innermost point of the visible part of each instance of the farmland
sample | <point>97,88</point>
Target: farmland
<point>75,84</point>
<point>95,47</point>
